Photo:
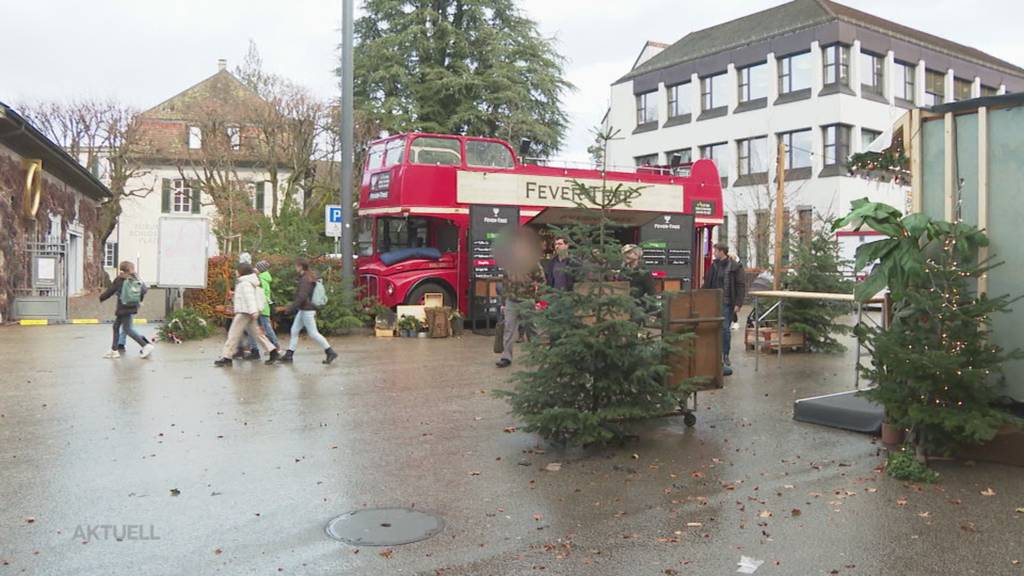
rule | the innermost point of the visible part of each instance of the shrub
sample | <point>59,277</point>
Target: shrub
<point>902,465</point>
<point>185,324</point>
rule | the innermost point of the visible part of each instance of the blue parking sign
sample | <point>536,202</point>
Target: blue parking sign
<point>332,220</point>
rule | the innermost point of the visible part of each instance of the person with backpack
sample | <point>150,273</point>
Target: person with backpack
<point>309,296</point>
<point>130,292</point>
<point>249,302</point>
<point>266,280</point>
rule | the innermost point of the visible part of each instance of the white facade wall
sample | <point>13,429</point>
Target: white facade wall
<point>137,229</point>
<point>828,196</point>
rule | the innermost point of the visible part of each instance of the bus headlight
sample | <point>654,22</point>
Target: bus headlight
<point>390,288</point>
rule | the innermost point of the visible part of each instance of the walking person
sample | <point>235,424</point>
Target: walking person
<point>266,280</point>
<point>304,306</point>
<point>248,303</point>
<point>524,276</point>
<point>726,274</point>
<point>130,292</point>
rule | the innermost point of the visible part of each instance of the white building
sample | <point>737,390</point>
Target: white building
<point>821,78</point>
<point>199,135</point>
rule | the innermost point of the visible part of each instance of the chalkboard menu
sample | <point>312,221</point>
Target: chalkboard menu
<point>485,224</point>
<point>667,242</point>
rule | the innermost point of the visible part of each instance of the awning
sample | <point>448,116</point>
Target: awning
<point>563,216</point>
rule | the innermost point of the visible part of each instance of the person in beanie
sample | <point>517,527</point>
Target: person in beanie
<point>126,310</point>
<point>305,315</point>
<point>726,275</point>
<point>266,280</point>
<point>248,303</point>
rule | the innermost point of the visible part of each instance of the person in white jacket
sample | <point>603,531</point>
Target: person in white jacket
<point>248,303</point>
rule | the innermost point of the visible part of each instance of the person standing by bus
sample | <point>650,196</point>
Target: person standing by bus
<point>559,269</point>
<point>304,306</point>
<point>726,274</point>
<point>130,291</point>
<point>524,276</point>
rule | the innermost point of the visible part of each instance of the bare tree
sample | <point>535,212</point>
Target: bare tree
<point>104,135</point>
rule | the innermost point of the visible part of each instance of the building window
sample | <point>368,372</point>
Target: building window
<point>934,88</point>
<point>804,227</point>
<point>962,89</point>
<point>742,237</point>
<point>753,156</point>
<point>716,153</point>
<point>712,92</point>
<point>753,82</point>
<point>110,255</point>
<point>679,97</point>
<point>798,148</point>
<point>795,73</point>
<point>988,91</point>
<point>867,136</point>
<point>837,64</point>
<point>677,157</point>
<point>646,108</point>
<point>235,137</point>
<point>181,200</point>
<point>904,80</point>
<point>837,144</point>
<point>872,73</point>
<point>646,160</point>
<point>195,138</point>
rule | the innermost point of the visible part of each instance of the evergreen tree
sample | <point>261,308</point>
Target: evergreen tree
<point>474,67</point>
<point>816,268</point>
<point>935,368</point>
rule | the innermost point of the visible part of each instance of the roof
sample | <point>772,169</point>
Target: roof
<point>222,89</point>
<point>798,15</point>
<point>20,135</point>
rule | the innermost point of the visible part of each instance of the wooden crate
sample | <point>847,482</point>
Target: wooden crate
<point>769,339</point>
<point>433,300</point>
<point>697,312</point>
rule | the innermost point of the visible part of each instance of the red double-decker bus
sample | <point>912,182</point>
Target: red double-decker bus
<point>417,190</point>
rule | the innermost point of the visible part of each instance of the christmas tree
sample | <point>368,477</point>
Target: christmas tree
<point>816,268</point>
<point>935,369</point>
<point>595,366</point>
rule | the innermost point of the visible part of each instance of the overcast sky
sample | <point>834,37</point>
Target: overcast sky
<point>143,52</point>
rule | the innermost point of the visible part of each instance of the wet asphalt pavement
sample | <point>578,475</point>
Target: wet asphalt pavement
<point>239,471</point>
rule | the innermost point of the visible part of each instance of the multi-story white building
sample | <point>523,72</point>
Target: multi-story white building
<point>197,138</point>
<point>821,78</point>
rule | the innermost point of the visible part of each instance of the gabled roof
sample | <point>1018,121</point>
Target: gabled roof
<point>798,15</point>
<point>20,135</point>
<point>221,90</point>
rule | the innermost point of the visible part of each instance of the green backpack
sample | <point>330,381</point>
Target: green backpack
<point>131,291</point>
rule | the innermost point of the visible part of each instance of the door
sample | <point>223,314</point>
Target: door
<point>75,271</point>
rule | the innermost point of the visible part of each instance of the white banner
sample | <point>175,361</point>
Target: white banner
<point>552,191</point>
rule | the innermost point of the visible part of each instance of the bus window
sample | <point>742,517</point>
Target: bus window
<point>488,155</point>
<point>435,151</point>
<point>374,156</point>
<point>398,233</point>
<point>364,237</point>
<point>395,151</point>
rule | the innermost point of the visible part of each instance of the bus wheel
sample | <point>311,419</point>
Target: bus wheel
<point>415,297</point>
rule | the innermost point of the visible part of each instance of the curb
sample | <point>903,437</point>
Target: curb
<point>45,322</point>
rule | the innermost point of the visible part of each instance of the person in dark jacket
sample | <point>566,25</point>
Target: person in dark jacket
<point>726,274</point>
<point>558,271</point>
<point>641,283</point>
<point>305,315</point>
<point>125,311</point>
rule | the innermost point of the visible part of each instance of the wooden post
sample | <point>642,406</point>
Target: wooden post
<point>780,171</point>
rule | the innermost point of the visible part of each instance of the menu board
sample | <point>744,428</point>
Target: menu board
<point>485,224</point>
<point>667,242</point>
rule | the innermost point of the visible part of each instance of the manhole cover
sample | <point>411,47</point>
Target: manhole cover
<point>384,527</point>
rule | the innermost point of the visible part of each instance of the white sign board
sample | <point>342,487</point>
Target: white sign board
<point>182,243</point>
<point>332,220</point>
<point>549,191</point>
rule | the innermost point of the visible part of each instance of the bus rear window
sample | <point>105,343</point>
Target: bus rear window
<point>488,155</point>
<point>395,150</point>
<point>374,156</point>
<point>435,151</point>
